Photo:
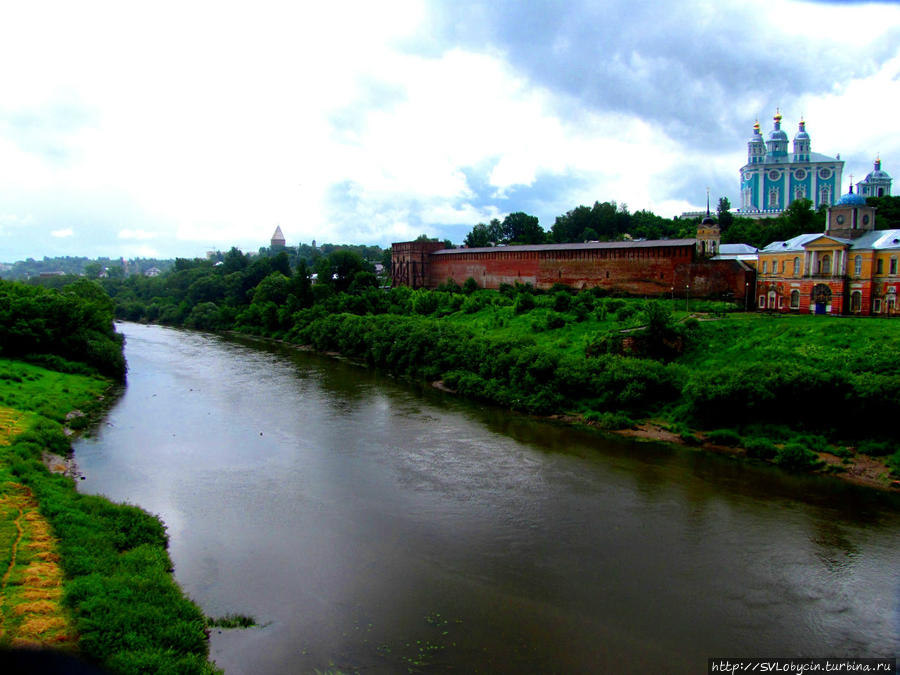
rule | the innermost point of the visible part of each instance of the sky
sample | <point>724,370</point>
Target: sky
<point>171,129</point>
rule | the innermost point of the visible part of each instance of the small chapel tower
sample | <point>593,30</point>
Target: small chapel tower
<point>708,235</point>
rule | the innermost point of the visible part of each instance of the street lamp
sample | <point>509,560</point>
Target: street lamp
<point>746,294</point>
<point>687,297</point>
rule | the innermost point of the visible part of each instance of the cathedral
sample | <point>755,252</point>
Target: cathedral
<point>772,178</point>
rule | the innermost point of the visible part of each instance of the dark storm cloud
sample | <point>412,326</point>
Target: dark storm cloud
<point>701,71</point>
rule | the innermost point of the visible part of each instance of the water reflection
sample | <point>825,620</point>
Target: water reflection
<point>381,526</point>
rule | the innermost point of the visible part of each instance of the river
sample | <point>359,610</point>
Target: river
<point>373,525</point>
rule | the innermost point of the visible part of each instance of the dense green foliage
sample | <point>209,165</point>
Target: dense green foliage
<point>56,327</point>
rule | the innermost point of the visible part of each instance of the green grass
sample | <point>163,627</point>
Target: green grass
<point>129,614</point>
<point>47,393</point>
<point>854,344</point>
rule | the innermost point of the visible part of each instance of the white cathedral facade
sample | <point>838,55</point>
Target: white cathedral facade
<point>773,177</point>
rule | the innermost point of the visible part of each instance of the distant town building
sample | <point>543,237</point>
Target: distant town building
<point>773,177</point>
<point>851,268</point>
<point>876,184</point>
<point>278,240</point>
<point>153,272</point>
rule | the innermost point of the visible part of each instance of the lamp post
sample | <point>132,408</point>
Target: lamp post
<point>687,298</point>
<point>746,294</point>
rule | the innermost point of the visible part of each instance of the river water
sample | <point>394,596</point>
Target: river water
<point>373,525</point>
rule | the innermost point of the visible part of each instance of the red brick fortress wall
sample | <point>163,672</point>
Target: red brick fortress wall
<point>645,268</point>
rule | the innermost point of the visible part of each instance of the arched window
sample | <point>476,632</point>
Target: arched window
<point>857,266</point>
<point>795,299</point>
<point>773,198</point>
<point>772,304</point>
<point>855,301</point>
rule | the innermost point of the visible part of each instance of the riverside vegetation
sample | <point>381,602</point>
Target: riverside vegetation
<point>805,392</point>
<point>79,572</point>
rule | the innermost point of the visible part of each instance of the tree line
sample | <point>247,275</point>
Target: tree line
<point>609,221</point>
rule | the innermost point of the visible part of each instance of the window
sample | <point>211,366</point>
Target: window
<point>876,306</point>
<point>855,301</point>
<point>796,267</point>
<point>879,266</point>
<point>773,198</point>
<point>891,304</point>
<point>893,266</point>
<point>795,299</point>
<point>825,264</point>
<point>772,300</point>
<point>762,302</point>
<point>783,267</point>
<point>765,266</point>
<point>857,266</point>
<point>825,195</point>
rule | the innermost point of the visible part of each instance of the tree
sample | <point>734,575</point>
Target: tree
<point>800,218</point>
<point>338,269</point>
<point>235,261</point>
<point>520,228</point>
<point>479,237</point>
<point>723,210</point>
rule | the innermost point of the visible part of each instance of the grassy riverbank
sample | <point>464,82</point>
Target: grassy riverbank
<point>80,572</point>
<point>807,393</point>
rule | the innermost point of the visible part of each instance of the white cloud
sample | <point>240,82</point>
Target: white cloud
<point>63,234</point>
<point>377,128</point>
<point>137,234</point>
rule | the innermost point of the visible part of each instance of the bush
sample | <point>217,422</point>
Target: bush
<point>524,303</point>
<point>796,456</point>
<point>609,420</point>
<point>470,286</point>
<point>876,448</point>
<point>555,320</point>
<point>625,313</point>
<point>727,437</point>
<point>562,302</point>
<point>893,463</point>
<point>760,448</point>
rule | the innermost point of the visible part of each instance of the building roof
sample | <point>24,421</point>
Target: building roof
<point>851,199</point>
<point>589,245</point>
<point>879,240</point>
<point>875,239</point>
<point>278,236</point>
<point>737,249</point>
<point>795,244</point>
